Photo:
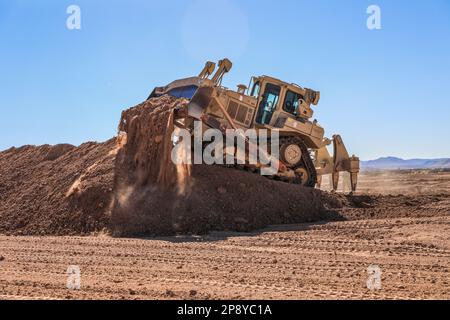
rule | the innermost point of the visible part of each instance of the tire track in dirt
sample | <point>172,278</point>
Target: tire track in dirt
<point>324,261</point>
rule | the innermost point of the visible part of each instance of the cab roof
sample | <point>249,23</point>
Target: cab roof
<point>280,82</point>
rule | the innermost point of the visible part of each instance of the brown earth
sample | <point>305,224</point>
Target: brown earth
<point>56,189</point>
<point>398,221</point>
<point>308,261</point>
<point>130,189</point>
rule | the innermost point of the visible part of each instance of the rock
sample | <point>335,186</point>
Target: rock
<point>170,293</point>
<point>192,293</point>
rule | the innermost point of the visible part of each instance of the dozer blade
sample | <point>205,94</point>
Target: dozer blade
<point>200,101</point>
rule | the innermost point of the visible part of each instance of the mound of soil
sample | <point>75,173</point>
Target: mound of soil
<point>59,190</point>
<point>129,187</point>
<point>218,198</point>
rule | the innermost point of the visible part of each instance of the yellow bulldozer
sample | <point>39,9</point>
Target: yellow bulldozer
<point>271,104</point>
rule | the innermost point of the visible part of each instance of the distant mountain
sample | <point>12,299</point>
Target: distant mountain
<point>393,163</point>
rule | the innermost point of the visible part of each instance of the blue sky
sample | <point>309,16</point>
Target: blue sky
<point>386,91</point>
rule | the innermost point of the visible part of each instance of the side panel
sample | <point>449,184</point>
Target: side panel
<point>311,132</point>
<point>241,108</point>
<point>240,112</point>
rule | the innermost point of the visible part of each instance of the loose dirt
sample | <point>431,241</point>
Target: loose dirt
<point>307,261</point>
<point>125,187</point>
<point>322,250</point>
<point>59,190</point>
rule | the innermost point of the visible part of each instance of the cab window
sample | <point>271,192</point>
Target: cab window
<point>256,89</point>
<point>268,104</point>
<point>291,102</point>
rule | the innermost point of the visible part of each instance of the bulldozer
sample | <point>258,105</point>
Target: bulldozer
<point>271,104</point>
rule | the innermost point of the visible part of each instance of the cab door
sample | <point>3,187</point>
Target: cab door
<point>268,104</point>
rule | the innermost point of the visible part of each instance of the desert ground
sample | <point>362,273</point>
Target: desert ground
<point>320,260</point>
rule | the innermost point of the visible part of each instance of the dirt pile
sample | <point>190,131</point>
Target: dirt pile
<point>57,190</point>
<point>145,133</point>
<point>129,186</point>
<point>218,199</point>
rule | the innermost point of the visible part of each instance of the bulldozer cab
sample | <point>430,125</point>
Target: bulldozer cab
<point>276,98</point>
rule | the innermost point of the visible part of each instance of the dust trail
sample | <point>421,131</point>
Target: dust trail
<point>405,182</point>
